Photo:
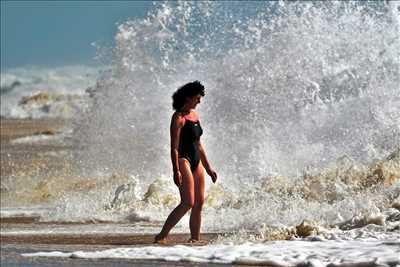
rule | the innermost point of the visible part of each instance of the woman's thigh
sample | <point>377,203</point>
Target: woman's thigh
<point>199,177</point>
<point>187,188</point>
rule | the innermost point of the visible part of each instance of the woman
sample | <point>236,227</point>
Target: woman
<point>188,160</point>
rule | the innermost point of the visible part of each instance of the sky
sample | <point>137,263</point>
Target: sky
<point>57,33</point>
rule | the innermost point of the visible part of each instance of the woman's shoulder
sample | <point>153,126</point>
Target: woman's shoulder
<point>178,117</point>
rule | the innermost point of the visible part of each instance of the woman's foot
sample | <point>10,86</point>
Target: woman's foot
<point>197,242</point>
<point>160,240</point>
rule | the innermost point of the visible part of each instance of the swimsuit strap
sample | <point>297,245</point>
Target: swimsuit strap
<point>189,118</point>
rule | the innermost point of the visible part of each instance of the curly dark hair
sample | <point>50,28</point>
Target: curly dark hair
<point>187,90</point>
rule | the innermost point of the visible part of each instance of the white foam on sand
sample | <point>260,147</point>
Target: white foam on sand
<point>36,139</point>
<point>23,211</point>
<point>366,252</point>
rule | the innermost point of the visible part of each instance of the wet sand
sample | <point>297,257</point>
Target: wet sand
<point>30,237</point>
<point>21,234</point>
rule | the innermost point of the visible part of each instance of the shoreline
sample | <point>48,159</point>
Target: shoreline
<point>101,239</point>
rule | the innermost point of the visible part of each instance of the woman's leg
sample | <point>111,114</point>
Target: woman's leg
<point>187,199</point>
<point>195,216</point>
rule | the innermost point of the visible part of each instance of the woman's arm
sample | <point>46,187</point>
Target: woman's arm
<point>177,123</point>
<point>206,163</point>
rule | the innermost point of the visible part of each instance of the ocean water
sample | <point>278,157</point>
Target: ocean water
<point>301,119</point>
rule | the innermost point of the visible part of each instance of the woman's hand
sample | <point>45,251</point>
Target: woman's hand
<point>178,178</point>
<point>206,164</point>
<point>212,174</point>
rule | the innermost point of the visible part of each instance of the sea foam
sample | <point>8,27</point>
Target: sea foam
<point>33,92</point>
<point>277,253</point>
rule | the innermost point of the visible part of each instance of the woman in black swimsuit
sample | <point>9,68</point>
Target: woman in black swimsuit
<point>188,158</point>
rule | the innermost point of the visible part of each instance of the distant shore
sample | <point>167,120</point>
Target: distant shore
<point>15,128</point>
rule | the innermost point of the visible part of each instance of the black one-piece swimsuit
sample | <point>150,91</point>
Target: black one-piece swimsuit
<point>188,147</point>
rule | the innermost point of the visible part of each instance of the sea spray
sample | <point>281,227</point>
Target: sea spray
<point>293,85</point>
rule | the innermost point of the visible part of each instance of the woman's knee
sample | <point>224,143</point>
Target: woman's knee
<point>198,203</point>
<point>188,203</point>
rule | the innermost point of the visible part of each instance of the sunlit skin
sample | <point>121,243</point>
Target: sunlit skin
<point>190,184</point>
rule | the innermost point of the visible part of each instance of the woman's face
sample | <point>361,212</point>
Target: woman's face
<point>193,101</point>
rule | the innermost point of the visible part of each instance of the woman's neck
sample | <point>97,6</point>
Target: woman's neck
<point>185,111</point>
